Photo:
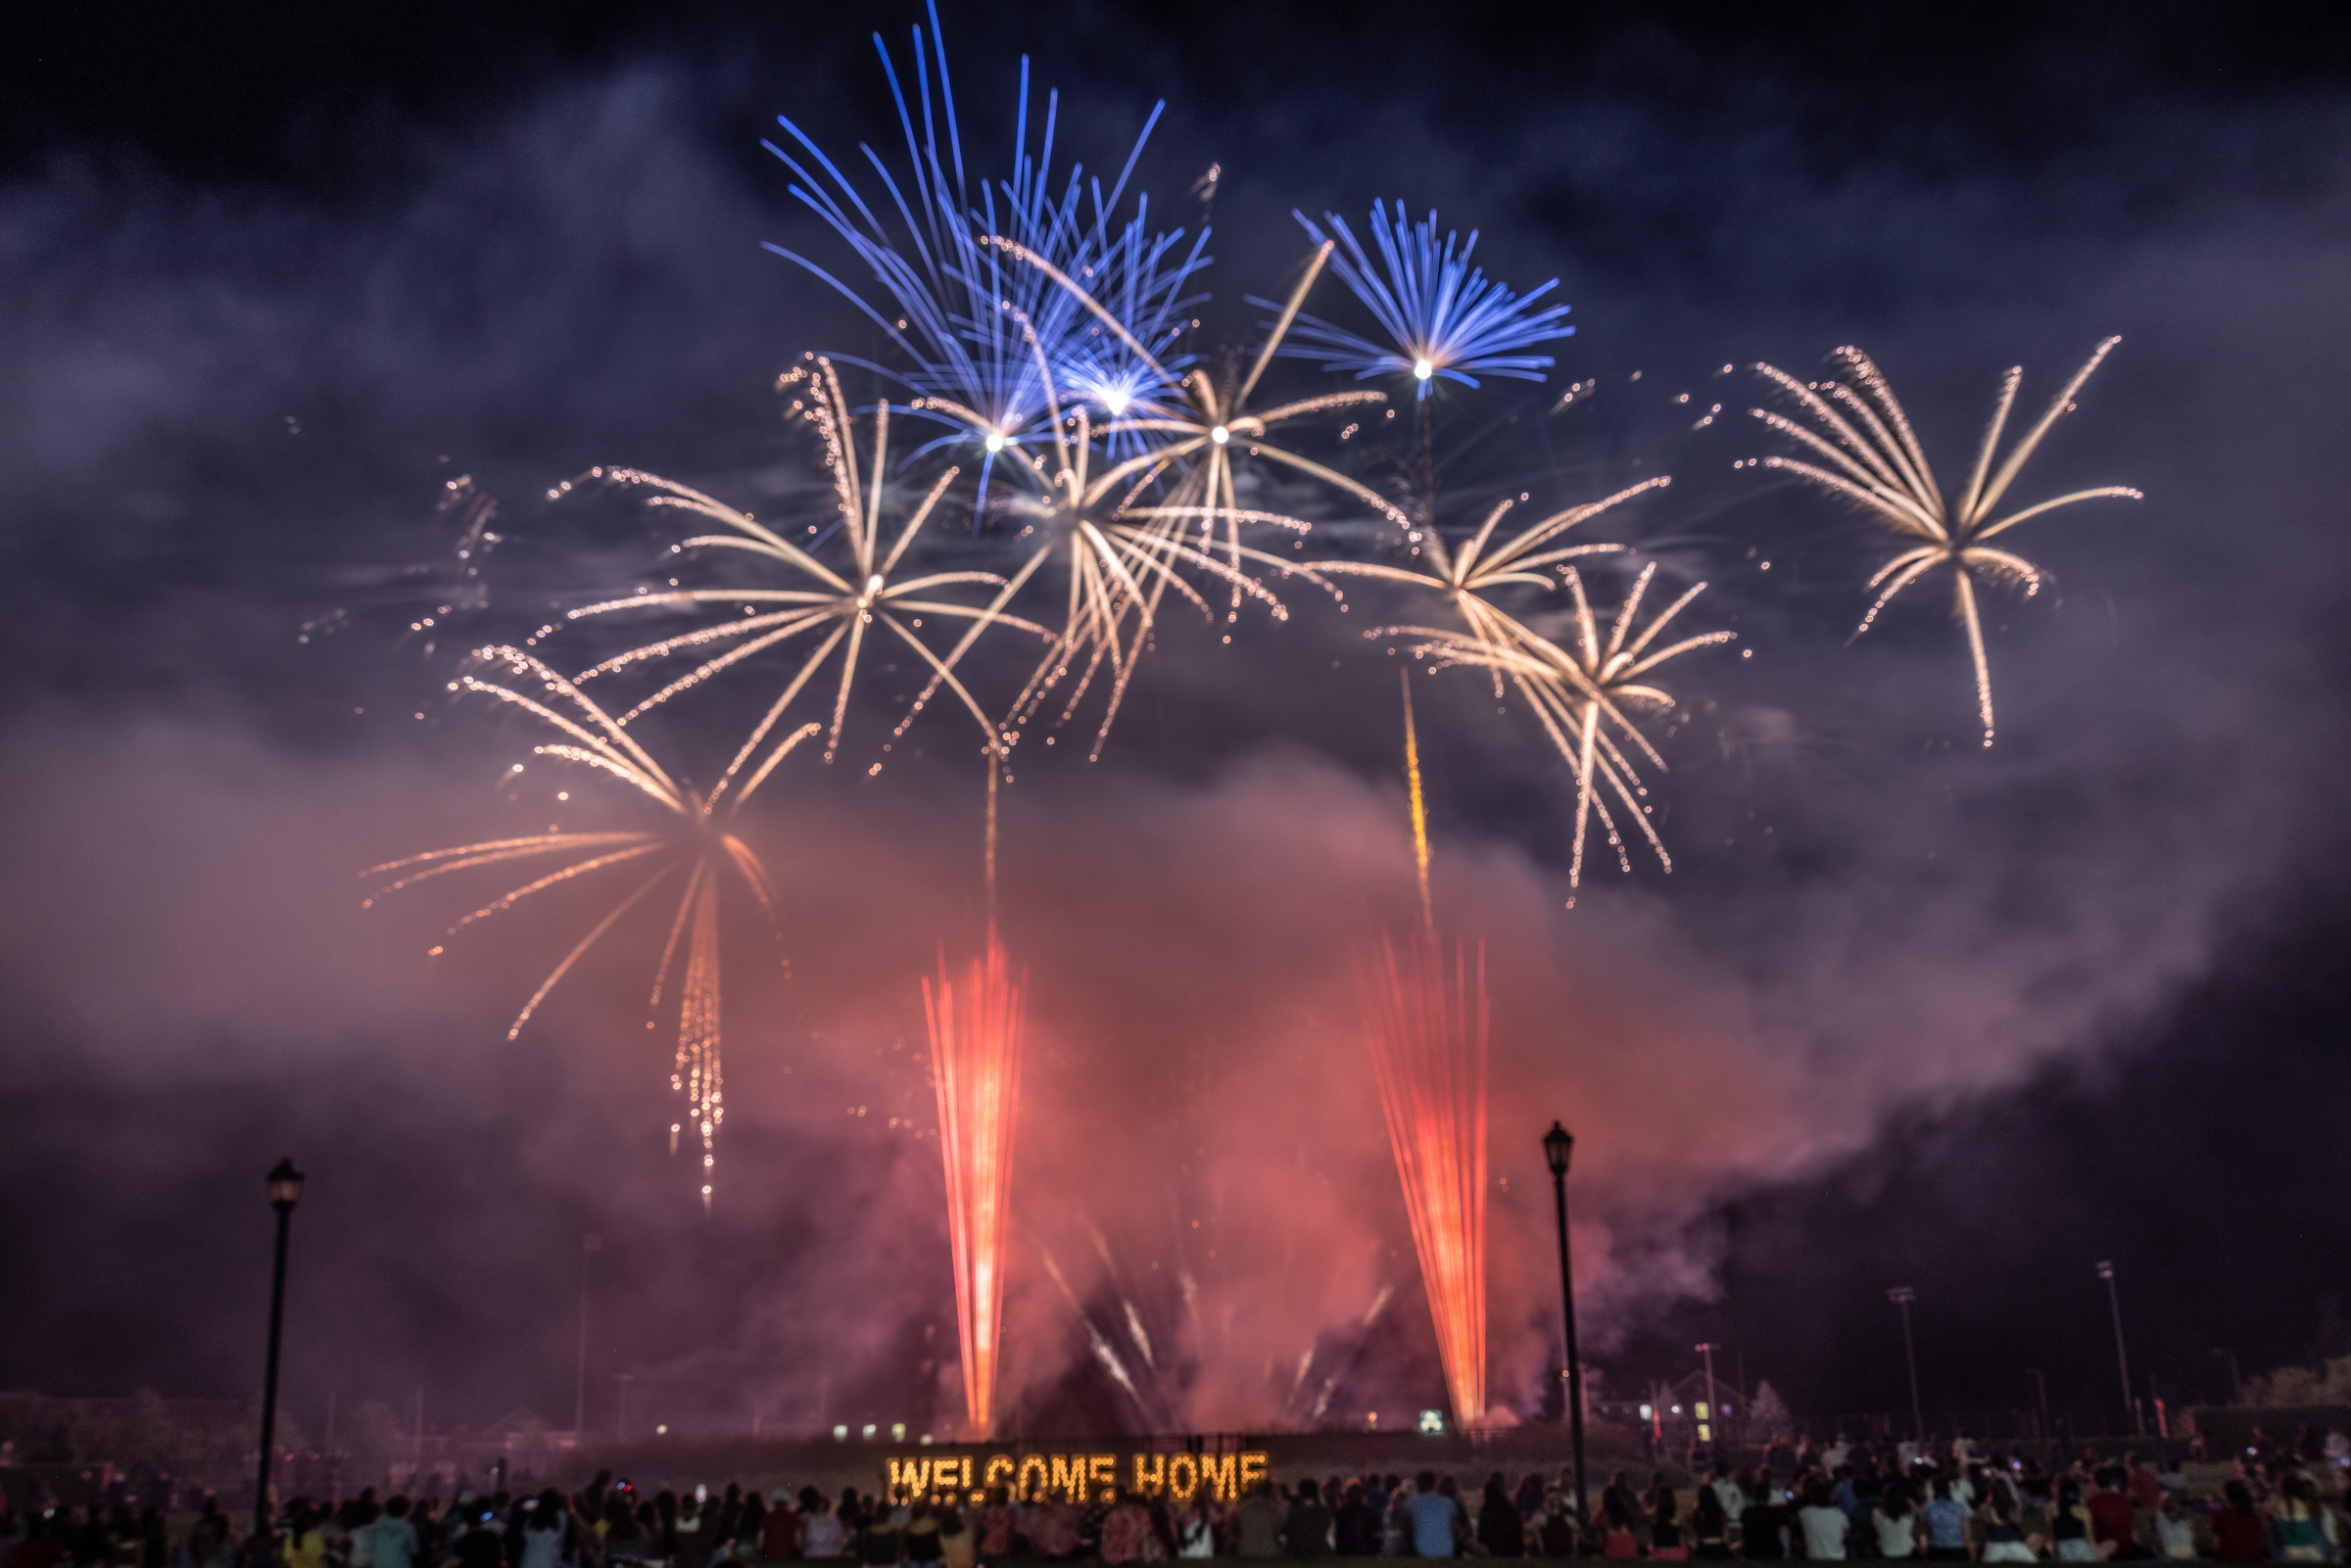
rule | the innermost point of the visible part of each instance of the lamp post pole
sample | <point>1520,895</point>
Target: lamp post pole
<point>590,1246</point>
<point>1559,1146</point>
<point>285,1191</point>
<point>2122,1358</point>
<point>2041,1381</point>
<point>1903,1296</point>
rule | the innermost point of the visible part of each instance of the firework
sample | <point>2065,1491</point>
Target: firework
<point>1119,559</point>
<point>1589,696</point>
<point>832,605</point>
<point>963,314</point>
<point>1444,319</point>
<point>1425,1020</point>
<point>692,845</point>
<point>1873,460</point>
<point>1569,691</point>
<point>976,1065</point>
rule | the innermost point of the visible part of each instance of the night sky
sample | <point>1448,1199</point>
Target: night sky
<point>1906,1012</point>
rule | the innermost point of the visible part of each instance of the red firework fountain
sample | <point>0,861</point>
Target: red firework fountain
<point>1425,1020</point>
<point>976,1065</point>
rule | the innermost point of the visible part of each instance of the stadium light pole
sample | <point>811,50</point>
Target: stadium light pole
<point>1903,1296</point>
<point>1559,1146</point>
<point>590,1246</point>
<point>285,1191</point>
<point>2122,1358</point>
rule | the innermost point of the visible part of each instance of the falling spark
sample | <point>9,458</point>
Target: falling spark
<point>1876,461</point>
<point>1425,1021</point>
<point>694,842</point>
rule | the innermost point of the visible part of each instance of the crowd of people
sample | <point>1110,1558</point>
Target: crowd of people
<point>1839,1502</point>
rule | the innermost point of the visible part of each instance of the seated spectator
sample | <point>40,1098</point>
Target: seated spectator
<point>1665,1528</point>
<point>1824,1525</point>
<point>1764,1524</point>
<point>1711,1526</point>
<point>1430,1516</point>
<point>1306,1532</point>
<point>1500,1528</point>
<point>1355,1528</point>
<point>1946,1518</point>
<point>1257,1523</point>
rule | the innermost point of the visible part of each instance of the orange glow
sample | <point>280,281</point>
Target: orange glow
<point>975,1067</point>
<point>1426,1018</point>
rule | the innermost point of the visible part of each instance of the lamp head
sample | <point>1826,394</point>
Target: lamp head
<point>285,1186</point>
<point>1559,1146</point>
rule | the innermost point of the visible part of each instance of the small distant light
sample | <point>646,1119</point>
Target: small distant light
<point>870,1429</point>
<point>1423,369</point>
<point>1648,1410</point>
<point>841,1434</point>
<point>661,1431</point>
<point>897,1431</point>
<point>1432,1423</point>
<point>1220,434</point>
<point>873,584</point>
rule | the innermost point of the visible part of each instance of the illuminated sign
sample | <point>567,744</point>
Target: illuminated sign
<point>1080,1477</point>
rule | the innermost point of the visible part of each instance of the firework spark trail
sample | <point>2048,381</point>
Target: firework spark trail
<point>1119,560</point>
<point>1444,318</point>
<point>694,840</point>
<point>956,302</point>
<point>1199,431</point>
<point>975,1027</point>
<point>835,606</point>
<point>1587,697</point>
<point>1875,461</point>
<point>1425,1020</point>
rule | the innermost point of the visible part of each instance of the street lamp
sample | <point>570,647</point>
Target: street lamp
<point>1903,1296</point>
<point>2121,1360</point>
<point>1558,1144</point>
<point>285,1191</point>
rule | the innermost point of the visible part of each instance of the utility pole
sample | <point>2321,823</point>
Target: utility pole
<point>1903,1296</point>
<point>590,1246</point>
<point>1713,1426</point>
<point>2122,1358</point>
<point>2041,1380</point>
